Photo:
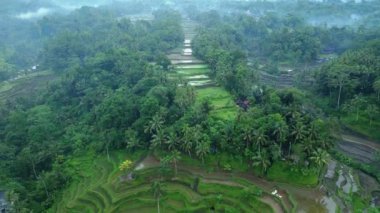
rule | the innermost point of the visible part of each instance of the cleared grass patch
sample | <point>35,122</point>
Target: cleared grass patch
<point>223,105</point>
<point>213,93</point>
<point>224,114</point>
<point>283,172</point>
<point>192,71</point>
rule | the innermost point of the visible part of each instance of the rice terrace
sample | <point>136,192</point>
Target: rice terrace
<point>189,106</point>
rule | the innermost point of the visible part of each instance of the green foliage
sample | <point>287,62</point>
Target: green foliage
<point>283,172</point>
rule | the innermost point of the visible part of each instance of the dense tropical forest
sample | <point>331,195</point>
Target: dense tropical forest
<point>188,106</point>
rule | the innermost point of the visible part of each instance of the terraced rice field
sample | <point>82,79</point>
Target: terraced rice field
<point>102,188</point>
<point>188,70</point>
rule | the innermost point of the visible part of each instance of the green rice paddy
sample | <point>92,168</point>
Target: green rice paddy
<point>100,187</point>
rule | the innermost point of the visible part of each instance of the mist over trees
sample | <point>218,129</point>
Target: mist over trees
<point>115,88</point>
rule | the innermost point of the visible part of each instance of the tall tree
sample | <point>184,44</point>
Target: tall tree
<point>376,87</point>
<point>158,139</point>
<point>339,77</point>
<point>175,156</point>
<point>281,131</point>
<point>260,139</point>
<point>157,192</point>
<point>202,149</point>
<point>154,125</point>
<point>298,132</point>
<point>319,157</point>
<point>372,110</point>
<point>355,105</point>
<point>261,160</point>
<point>187,139</point>
<point>172,141</point>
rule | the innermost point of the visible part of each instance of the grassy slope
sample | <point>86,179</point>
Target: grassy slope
<point>362,125</point>
<point>282,172</point>
<point>221,101</point>
<point>97,188</point>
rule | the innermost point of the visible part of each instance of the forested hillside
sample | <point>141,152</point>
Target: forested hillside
<point>187,106</point>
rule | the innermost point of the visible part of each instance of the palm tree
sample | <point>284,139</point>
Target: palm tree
<point>280,131</point>
<point>154,125</point>
<point>262,161</point>
<point>132,141</point>
<point>299,132</point>
<point>275,152</point>
<point>158,139</point>
<point>260,138</point>
<point>187,140</point>
<point>339,77</point>
<point>354,105</point>
<point>371,111</point>
<point>325,141</point>
<point>319,157</point>
<point>174,158</point>
<point>247,136</point>
<point>376,87</point>
<point>172,141</point>
<point>308,146</point>
<point>202,149</point>
<point>157,192</point>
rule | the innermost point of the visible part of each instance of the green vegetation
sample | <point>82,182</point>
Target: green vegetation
<point>282,172</point>
<point>222,103</point>
<point>361,126</point>
<point>76,145</point>
<point>102,187</point>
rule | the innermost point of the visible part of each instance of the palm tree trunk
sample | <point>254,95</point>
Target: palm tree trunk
<point>340,92</point>
<point>158,205</point>
<point>108,155</point>
<point>37,178</point>
<point>175,168</point>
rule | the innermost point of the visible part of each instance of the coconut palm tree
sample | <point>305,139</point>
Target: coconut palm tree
<point>158,139</point>
<point>247,136</point>
<point>187,139</point>
<point>308,146</point>
<point>319,157</point>
<point>371,111</point>
<point>275,152</point>
<point>154,125</point>
<point>376,87</point>
<point>260,138</point>
<point>157,192</point>
<point>132,141</point>
<point>261,160</point>
<point>298,133</point>
<point>174,158</point>
<point>172,141</point>
<point>202,149</point>
<point>281,131</point>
